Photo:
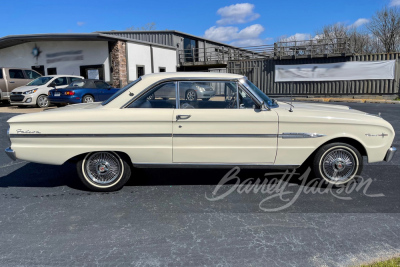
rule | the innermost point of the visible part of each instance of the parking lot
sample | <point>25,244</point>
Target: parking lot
<point>171,217</point>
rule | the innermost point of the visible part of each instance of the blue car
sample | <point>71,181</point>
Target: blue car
<point>81,91</point>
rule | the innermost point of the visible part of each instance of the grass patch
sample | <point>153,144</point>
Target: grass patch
<point>388,263</point>
<point>397,99</point>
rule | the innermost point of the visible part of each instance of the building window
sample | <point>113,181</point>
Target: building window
<point>92,72</point>
<point>51,71</point>
<point>139,71</point>
<point>162,69</point>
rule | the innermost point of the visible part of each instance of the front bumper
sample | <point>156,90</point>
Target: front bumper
<point>11,153</point>
<point>390,153</point>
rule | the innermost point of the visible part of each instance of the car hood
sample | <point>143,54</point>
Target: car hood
<point>318,107</point>
<point>24,88</point>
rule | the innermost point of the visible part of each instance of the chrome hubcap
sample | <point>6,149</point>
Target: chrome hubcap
<point>191,95</point>
<point>103,167</point>
<point>43,101</point>
<point>338,165</point>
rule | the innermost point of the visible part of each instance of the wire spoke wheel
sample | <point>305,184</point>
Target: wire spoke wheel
<point>338,165</point>
<point>103,168</point>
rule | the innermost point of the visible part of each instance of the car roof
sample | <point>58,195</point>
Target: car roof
<point>166,75</point>
<point>66,75</point>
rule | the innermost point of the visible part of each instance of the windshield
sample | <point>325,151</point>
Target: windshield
<point>260,93</point>
<point>120,91</point>
<point>40,81</point>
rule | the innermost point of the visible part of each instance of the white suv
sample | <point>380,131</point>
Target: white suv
<point>35,92</point>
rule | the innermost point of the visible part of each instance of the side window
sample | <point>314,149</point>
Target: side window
<point>161,96</point>
<point>61,81</point>
<point>16,74</point>
<point>31,74</point>
<point>1,73</point>
<point>101,85</point>
<point>208,95</point>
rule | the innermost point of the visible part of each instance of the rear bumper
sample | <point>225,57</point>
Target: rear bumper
<point>390,153</point>
<point>11,153</point>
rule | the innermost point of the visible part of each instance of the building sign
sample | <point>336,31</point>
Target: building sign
<point>64,56</point>
<point>93,74</point>
<point>343,71</point>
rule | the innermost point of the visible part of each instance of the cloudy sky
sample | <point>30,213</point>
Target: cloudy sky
<point>238,23</point>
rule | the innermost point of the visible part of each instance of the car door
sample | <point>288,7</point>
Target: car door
<point>224,129</point>
<point>103,91</point>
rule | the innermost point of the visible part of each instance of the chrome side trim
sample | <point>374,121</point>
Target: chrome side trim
<point>283,136</point>
<point>390,153</point>
<point>214,165</point>
<point>300,135</point>
<point>11,153</point>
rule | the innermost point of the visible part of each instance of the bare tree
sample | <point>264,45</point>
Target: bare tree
<point>385,26</point>
<point>151,26</point>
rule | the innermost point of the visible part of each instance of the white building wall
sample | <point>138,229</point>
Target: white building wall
<point>164,58</point>
<point>93,53</point>
<point>138,55</point>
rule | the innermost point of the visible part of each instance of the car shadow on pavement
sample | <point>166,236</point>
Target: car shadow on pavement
<point>41,175</point>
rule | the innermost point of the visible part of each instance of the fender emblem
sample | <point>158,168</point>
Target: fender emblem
<point>20,131</point>
<point>376,135</point>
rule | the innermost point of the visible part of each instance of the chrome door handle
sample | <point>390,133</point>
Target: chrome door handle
<point>12,82</point>
<point>183,117</point>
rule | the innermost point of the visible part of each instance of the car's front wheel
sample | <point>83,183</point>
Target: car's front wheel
<point>103,171</point>
<point>337,163</point>
<point>42,101</point>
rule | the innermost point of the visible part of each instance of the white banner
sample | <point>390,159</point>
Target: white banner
<point>343,71</point>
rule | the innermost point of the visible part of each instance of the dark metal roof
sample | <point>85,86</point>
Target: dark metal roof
<point>12,40</point>
<point>128,33</point>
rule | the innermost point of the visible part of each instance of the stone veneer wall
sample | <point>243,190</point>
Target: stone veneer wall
<point>118,64</point>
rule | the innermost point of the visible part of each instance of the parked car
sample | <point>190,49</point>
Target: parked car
<point>239,127</point>
<point>35,93</point>
<point>82,91</point>
<point>191,92</point>
<point>11,78</point>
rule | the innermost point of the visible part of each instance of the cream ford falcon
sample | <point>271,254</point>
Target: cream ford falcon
<point>237,125</point>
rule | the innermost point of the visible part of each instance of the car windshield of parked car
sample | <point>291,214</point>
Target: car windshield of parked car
<point>260,93</point>
<point>40,81</point>
<point>121,91</point>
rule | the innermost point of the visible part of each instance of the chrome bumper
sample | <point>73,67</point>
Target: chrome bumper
<point>390,153</point>
<point>11,153</point>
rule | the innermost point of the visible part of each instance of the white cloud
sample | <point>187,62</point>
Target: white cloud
<point>297,37</point>
<point>80,23</point>
<point>395,3</point>
<point>248,36</point>
<point>361,22</point>
<point>236,14</point>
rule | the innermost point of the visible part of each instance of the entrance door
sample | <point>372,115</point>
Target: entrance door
<point>223,128</point>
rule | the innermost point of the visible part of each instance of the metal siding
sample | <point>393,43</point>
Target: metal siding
<point>262,73</point>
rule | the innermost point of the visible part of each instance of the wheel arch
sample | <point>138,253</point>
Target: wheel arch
<point>76,158</point>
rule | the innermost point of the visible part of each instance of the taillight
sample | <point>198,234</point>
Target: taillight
<point>69,93</point>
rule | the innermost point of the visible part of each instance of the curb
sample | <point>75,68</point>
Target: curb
<point>349,100</point>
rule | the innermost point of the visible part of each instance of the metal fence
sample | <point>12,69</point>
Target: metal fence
<point>262,74</point>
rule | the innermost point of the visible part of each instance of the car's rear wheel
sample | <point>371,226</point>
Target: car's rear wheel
<point>191,95</point>
<point>104,171</point>
<point>337,163</point>
<point>42,101</point>
<point>88,99</point>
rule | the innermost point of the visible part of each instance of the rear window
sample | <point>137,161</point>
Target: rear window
<point>32,74</point>
<point>79,83</point>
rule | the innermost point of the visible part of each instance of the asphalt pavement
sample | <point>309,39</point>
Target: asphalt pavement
<point>170,217</point>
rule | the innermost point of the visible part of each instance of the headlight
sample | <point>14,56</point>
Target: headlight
<point>30,92</point>
<point>201,89</point>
